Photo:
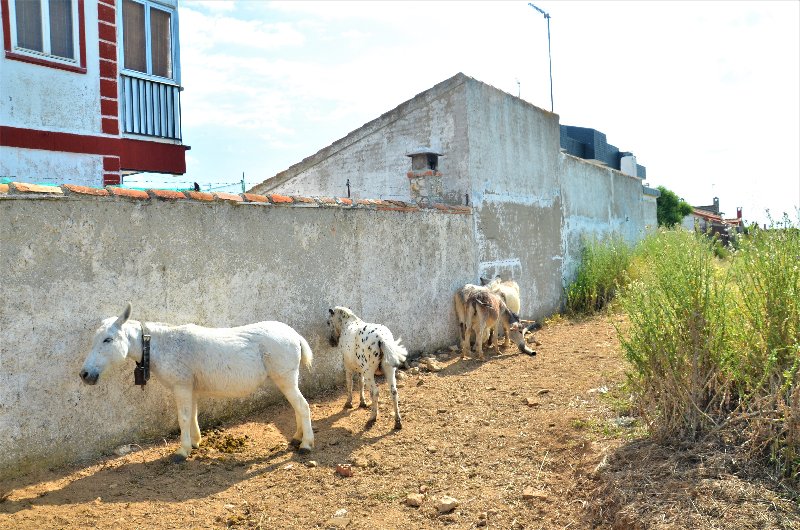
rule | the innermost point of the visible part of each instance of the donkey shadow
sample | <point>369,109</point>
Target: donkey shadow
<point>143,476</point>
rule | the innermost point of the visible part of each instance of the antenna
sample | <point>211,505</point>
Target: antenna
<point>549,55</point>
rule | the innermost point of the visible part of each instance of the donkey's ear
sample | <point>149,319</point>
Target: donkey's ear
<point>330,311</point>
<point>126,314</point>
<point>484,281</point>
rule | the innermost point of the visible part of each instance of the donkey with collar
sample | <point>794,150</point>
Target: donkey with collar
<point>195,361</point>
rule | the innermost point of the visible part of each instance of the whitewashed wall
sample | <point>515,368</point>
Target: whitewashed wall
<point>69,262</point>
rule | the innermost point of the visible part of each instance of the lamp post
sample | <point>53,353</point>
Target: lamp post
<point>549,56</point>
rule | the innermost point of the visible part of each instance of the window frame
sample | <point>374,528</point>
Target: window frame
<point>174,43</point>
<point>43,58</point>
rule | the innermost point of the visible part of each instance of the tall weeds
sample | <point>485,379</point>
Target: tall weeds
<point>713,344</point>
<point>678,328</point>
<point>602,268</point>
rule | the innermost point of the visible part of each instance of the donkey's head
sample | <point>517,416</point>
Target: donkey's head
<point>336,318</point>
<point>110,346</point>
<point>516,331</point>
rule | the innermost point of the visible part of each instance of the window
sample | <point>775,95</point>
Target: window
<point>148,36</point>
<point>47,29</point>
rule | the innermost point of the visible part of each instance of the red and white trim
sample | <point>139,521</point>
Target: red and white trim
<point>107,33</point>
<point>119,154</point>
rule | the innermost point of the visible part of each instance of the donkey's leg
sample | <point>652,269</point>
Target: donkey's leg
<point>390,378</point>
<point>348,374</point>
<point>369,378</point>
<point>287,383</point>
<point>362,403</point>
<point>183,400</point>
<point>465,347</point>
<point>195,432</point>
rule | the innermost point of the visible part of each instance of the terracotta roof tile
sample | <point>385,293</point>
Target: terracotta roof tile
<point>327,200</point>
<point>201,196</point>
<point>306,200</point>
<point>86,190</point>
<point>346,201</point>
<point>280,199</point>
<point>167,195</point>
<point>3,188</point>
<point>228,196</point>
<point>24,187</point>
<point>253,197</point>
<point>130,194</point>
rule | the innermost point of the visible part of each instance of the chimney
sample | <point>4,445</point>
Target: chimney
<point>716,205</point>
<point>739,213</point>
<point>425,179</point>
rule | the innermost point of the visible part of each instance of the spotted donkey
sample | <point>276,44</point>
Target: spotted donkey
<point>365,347</point>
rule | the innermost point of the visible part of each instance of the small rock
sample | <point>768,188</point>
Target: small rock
<point>490,388</point>
<point>344,470</point>
<point>543,391</point>
<point>288,466</point>
<point>360,461</point>
<point>431,449</point>
<point>123,450</point>
<point>414,370</point>
<point>415,499</point>
<point>338,522</point>
<point>441,411</point>
<point>420,382</point>
<point>531,402</point>
<point>423,488</point>
<point>98,500</point>
<point>531,493</point>
<point>481,523</point>
<point>400,375</point>
<point>229,507</point>
<point>312,463</point>
<point>446,504</point>
<point>341,512</point>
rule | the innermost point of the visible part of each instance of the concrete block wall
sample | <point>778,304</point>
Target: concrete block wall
<point>73,255</point>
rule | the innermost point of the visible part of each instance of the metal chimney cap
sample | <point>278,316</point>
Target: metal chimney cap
<point>423,151</point>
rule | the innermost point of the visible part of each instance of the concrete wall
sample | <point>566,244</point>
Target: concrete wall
<point>533,205</point>
<point>513,167</point>
<point>70,259</point>
<point>374,156</point>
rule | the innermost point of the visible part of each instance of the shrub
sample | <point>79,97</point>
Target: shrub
<point>602,268</point>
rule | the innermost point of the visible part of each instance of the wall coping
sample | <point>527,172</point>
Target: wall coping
<point>22,190</point>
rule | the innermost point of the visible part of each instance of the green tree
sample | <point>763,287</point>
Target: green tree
<point>670,209</point>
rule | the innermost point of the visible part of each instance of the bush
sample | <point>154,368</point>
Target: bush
<point>676,306</point>
<point>602,268</point>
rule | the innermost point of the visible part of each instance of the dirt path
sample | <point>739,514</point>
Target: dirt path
<point>516,440</point>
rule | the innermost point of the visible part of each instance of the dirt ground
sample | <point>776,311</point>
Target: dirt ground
<point>520,442</point>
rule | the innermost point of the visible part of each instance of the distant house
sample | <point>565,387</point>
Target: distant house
<point>709,220</point>
<point>90,90</point>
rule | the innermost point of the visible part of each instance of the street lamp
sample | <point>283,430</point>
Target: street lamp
<point>549,56</point>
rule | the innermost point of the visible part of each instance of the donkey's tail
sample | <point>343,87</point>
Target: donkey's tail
<point>306,355</point>
<point>394,352</point>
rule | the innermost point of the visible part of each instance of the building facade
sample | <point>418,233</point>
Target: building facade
<point>89,90</point>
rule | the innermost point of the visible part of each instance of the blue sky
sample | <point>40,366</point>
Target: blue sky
<point>705,94</point>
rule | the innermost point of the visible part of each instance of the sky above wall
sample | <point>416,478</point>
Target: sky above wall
<point>705,94</point>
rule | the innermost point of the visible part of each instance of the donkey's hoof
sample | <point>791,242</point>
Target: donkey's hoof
<point>304,451</point>
<point>178,458</point>
<point>196,446</point>
<point>294,442</point>
<point>370,424</point>
<point>397,425</point>
<point>363,405</point>
<point>348,405</point>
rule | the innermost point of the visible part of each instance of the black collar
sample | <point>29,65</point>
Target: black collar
<point>142,371</point>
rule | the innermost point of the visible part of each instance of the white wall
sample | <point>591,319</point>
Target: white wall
<point>69,262</point>
<point>47,167</point>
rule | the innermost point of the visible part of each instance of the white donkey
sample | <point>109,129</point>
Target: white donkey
<point>194,361</point>
<point>365,347</point>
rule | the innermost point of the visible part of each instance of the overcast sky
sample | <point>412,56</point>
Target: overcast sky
<point>705,94</point>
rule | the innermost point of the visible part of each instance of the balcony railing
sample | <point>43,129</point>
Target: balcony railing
<point>150,108</point>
